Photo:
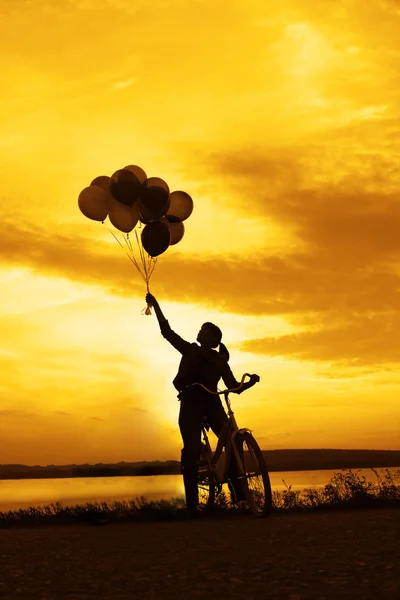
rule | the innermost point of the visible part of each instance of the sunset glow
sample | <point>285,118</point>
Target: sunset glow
<point>282,121</point>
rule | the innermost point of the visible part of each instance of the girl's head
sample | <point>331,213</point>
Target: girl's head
<point>210,336</point>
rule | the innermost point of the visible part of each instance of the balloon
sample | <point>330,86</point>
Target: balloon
<point>156,238</point>
<point>124,186</point>
<point>146,216</point>
<point>135,208</point>
<point>94,203</point>
<point>180,206</point>
<point>176,229</point>
<point>103,182</point>
<point>122,217</point>
<point>138,171</point>
<point>154,196</point>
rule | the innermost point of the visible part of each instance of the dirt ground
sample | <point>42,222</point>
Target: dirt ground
<point>332,555</point>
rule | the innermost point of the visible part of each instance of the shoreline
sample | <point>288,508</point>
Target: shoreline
<point>178,473</point>
<point>345,490</point>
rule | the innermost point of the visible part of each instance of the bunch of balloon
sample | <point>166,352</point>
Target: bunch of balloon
<point>132,201</point>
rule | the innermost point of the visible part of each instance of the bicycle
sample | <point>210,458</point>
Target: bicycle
<point>251,468</point>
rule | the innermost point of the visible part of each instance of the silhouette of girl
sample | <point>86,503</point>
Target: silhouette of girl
<point>200,363</point>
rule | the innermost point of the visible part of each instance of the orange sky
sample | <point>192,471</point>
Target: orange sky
<point>282,121</point>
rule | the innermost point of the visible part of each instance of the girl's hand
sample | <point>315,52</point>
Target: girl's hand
<point>254,378</point>
<point>150,299</point>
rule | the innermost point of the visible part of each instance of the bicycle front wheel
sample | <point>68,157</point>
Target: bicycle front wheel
<point>255,484</point>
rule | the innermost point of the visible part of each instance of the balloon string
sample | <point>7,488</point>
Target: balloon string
<point>131,258</point>
<point>129,242</point>
<point>140,252</point>
<point>148,308</point>
<point>147,274</point>
<point>113,234</point>
<point>143,254</point>
<point>148,263</point>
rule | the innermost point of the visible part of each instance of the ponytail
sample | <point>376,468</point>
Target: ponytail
<point>223,350</point>
<point>217,334</point>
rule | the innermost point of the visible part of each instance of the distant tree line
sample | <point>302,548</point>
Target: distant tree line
<point>277,460</point>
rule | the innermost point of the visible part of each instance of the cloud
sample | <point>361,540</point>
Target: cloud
<point>270,285</point>
<point>344,259</point>
<point>120,85</point>
<point>65,255</point>
<point>17,413</point>
<point>361,341</point>
<point>337,279</point>
<point>340,281</point>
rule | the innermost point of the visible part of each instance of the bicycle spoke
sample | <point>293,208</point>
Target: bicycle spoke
<point>255,482</point>
<point>254,478</point>
<point>206,489</point>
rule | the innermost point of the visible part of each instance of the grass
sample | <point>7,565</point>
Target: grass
<point>346,490</point>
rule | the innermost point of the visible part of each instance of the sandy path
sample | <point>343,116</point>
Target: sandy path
<point>343,555</point>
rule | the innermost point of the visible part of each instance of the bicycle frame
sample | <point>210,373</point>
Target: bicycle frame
<point>227,436</point>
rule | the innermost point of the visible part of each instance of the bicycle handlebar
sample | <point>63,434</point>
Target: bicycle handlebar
<point>223,391</point>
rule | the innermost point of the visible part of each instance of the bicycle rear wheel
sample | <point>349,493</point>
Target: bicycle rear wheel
<point>255,484</point>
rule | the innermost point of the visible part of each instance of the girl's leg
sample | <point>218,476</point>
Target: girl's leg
<point>216,415</point>
<point>190,419</point>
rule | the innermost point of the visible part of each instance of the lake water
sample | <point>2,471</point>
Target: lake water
<point>21,493</point>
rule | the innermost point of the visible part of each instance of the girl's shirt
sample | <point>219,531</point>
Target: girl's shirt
<point>196,366</point>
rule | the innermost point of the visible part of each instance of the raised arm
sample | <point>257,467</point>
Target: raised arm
<point>173,338</point>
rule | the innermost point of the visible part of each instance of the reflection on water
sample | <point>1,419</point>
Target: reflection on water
<point>69,491</point>
<point>22,493</point>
